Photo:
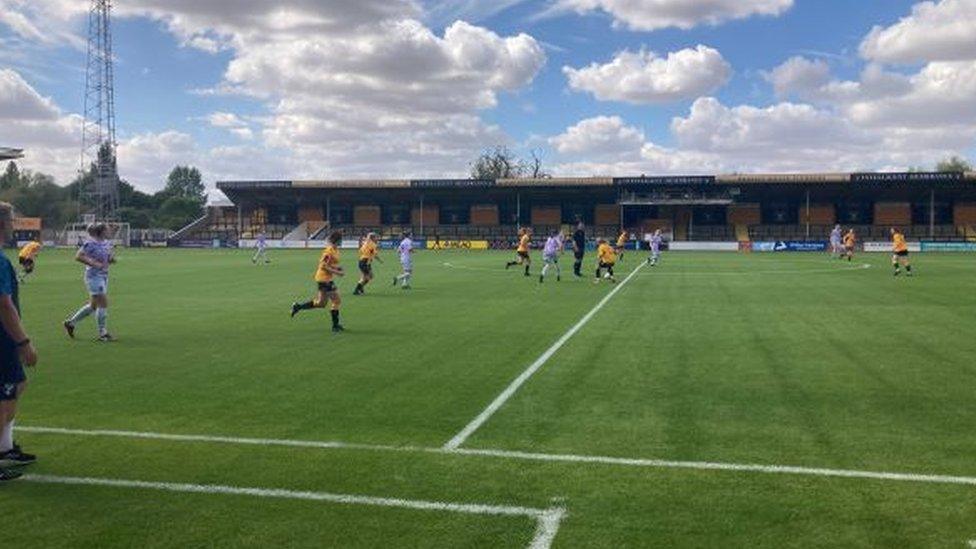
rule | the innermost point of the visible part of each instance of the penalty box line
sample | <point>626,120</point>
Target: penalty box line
<point>526,456</point>
<point>510,391</point>
<point>547,520</point>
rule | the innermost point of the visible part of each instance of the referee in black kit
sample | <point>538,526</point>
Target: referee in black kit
<point>579,248</point>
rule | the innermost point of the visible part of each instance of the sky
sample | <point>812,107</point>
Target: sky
<point>325,89</point>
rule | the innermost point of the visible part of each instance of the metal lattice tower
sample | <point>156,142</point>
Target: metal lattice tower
<point>100,193</point>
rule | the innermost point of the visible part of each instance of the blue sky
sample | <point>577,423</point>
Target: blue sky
<point>399,89</point>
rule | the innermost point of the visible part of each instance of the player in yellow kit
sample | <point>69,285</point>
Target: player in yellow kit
<point>522,252</point>
<point>899,251</point>
<point>850,240</point>
<point>622,244</point>
<point>606,259</point>
<point>368,251</point>
<point>27,256</point>
<point>325,274</point>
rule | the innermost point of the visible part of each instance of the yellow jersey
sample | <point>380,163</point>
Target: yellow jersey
<point>524,243</point>
<point>622,240</point>
<point>849,240</point>
<point>898,243</point>
<point>367,251</point>
<point>606,254</point>
<point>29,250</point>
<point>330,257</point>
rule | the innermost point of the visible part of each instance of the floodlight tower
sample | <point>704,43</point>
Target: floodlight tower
<point>100,193</point>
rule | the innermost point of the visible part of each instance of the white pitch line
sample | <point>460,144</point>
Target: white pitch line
<point>718,466</point>
<point>526,456</point>
<point>502,398</point>
<point>548,520</point>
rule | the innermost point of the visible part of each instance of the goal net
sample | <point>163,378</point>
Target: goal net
<point>76,233</point>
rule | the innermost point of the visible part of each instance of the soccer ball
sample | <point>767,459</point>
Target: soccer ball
<point>606,276</point>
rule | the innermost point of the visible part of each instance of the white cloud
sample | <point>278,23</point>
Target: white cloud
<point>942,94</point>
<point>599,136</point>
<point>644,77</point>
<point>935,31</point>
<point>799,75</point>
<point>649,15</point>
<point>19,101</point>
<point>351,88</point>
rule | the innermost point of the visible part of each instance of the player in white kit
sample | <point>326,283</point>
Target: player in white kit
<point>404,250</point>
<point>656,240</point>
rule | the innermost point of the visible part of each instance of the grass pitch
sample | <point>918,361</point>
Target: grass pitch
<point>772,360</point>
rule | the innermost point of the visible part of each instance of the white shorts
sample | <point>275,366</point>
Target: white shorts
<point>550,259</point>
<point>407,265</point>
<point>97,285</point>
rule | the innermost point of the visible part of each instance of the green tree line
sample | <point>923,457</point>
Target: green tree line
<point>35,194</point>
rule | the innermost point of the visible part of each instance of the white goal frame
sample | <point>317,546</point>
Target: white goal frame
<point>75,233</point>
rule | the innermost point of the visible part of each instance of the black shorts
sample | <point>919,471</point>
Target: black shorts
<point>903,253</point>
<point>607,265</point>
<point>327,287</point>
<point>11,374</point>
<point>26,263</point>
<point>579,255</point>
<point>523,255</point>
<point>365,267</point>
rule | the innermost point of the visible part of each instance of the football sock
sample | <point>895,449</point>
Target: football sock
<point>81,314</point>
<point>101,317</point>
<point>359,288</point>
<point>335,317</point>
<point>576,268</point>
<point>307,305</point>
<point>526,270</point>
<point>7,437</point>
<point>908,268</point>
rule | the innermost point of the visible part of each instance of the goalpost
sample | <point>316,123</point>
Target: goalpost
<point>75,233</point>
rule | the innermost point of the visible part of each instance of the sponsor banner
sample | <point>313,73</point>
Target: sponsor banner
<point>198,244</point>
<point>790,246</point>
<point>704,246</point>
<point>291,244</point>
<point>450,183</point>
<point>928,246</point>
<point>457,244</point>
<point>910,177</point>
<point>393,244</point>
<point>665,180</point>
<point>885,247</point>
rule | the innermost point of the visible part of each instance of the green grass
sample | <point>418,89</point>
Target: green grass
<point>765,359</point>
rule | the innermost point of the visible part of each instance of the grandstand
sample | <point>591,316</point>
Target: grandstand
<point>723,208</point>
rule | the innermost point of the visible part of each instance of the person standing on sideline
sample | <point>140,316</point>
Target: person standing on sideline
<point>656,240</point>
<point>405,251</point>
<point>262,253</point>
<point>97,255</point>
<point>579,249</point>
<point>16,351</point>
<point>550,255</point>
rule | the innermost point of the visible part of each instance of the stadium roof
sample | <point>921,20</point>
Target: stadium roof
<point>635,181</point>
<point>7,153</point>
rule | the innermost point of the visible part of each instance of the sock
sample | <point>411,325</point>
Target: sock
<point>576,268</point>
<point>101,316</point>
<point>359,288</point>
<point>7,437</point>
<point>598,272</point>
<point>81,314</point>
<point>406,280</point>
<point>908,268</point>
<point>526,270</point>
<point>335,317</point>
<point>307,305</point>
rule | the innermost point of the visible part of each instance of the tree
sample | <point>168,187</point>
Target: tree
<point>186,182</point>
<point>177,211</point>
<point>11,177</point>
<point>954,164</point>
<point>501,163</point>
